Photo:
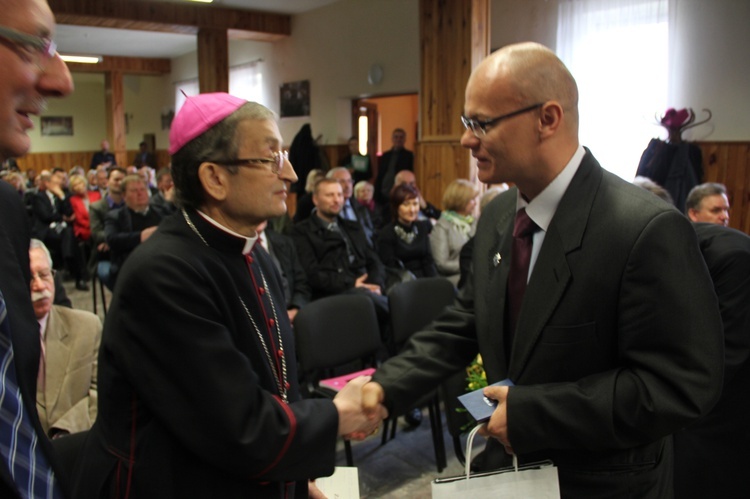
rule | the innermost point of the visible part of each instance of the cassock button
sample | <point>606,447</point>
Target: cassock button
<point>280,352</point>
<point>262,291</point>
<point>249,259</point>
<point>287,385</point>
<point>271,322</point>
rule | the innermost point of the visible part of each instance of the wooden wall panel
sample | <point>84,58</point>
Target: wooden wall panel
<point>171,17</point>
<point>450,31</point>
<point>440,164</point>
<point>729,163</point>
<point>213,60</point>
<point>67,160</point>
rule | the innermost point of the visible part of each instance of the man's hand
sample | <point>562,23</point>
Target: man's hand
<point>313,492</point>
<point>497,426</point>
<point>147,232</point>
<point>169,194</point>
<point>355,422</point>
<point>360,283</point>
<point>103,247</point>
<point>292,313</point>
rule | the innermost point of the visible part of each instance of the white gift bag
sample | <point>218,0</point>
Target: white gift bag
<point>532,481</point>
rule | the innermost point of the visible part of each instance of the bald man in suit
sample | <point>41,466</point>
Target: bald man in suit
<point>616,342</point>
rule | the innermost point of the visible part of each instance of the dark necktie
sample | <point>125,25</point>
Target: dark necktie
<point>19,445</point>
<point>520,258</point>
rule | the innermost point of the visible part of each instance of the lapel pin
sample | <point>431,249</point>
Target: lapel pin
<point>496,259</point>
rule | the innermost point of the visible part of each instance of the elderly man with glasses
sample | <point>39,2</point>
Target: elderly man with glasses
<point>66,385</point>
<point>587,293</point>
<point>31,73</point>
<point>199,394</point>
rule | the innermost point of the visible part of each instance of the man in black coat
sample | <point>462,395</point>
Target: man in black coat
<point>711,456</point>
<point>127,227</point>
<point>390,163</point>
<point>205,402</point>
<point>32,71</point>
<point>335,252</point>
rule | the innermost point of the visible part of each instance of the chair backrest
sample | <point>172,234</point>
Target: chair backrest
<point>414,304</point>
<point>336,330</point>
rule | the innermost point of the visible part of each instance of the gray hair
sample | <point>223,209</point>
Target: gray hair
<point>37,244</point>
<point>697,193</point>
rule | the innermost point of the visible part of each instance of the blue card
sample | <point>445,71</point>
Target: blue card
<point>479,406</point>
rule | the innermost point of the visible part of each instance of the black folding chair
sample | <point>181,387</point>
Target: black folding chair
<point>335,334</point>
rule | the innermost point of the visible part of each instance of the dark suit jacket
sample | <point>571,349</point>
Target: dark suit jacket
<point>119,233</point>
<point>405,161</point>
<point>711,456</point>
<point>618,342</point>
<point>187,399</point>
<point>283,249</point>
<point>45,213</point>
<point>324,256</point>
<point>149,161</point>
<point>15,277</point>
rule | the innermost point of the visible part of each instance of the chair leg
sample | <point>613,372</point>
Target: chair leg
<point>348,450</point>
<point>93,290</point>
<point>104,297</point>
<point>436,425</point>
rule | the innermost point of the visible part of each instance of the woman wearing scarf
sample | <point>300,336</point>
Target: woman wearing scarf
<point>455,226</point>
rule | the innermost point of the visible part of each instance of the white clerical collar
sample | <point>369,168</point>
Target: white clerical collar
<point>249,241</point>
<point>542,208</point>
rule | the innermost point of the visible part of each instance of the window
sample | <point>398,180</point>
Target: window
<point>246,81</point>
<point>617,51</point>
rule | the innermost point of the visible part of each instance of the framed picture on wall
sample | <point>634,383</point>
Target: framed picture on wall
<point>295,99</point>
<point>56,125</point>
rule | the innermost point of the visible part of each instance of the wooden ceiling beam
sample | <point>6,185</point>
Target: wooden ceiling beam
<point>125,65</point>
<point>171,18</point>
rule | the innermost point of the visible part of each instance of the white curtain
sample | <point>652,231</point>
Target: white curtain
<point>246,81</point>
<point>617,51</point>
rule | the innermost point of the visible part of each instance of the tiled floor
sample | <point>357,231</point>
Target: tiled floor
<point>402,468</point>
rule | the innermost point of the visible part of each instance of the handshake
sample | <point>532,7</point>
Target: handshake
<point>360,407</point>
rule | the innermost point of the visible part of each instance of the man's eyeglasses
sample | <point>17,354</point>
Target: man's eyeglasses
<point>38,49</point>
<point>44,275</point>
<point>479,127</point>
<point>275,164</point>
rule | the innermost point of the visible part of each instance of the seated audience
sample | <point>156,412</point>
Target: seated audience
<point>17,181</point>
<point>127,227</point>
<point>335,253</point>
<point>364,195</point>
<point>426,210</point>
<point>81,200</point>
<point>111,200</point>
<point>53,218</point>
<point>66,393</point>
<point>708,203</point>
<point>454,228</point>
<point>404,242</point>
<point>165,196</point>
<point>293,277</point>
<point>350,209</point>
<point>305,204</point>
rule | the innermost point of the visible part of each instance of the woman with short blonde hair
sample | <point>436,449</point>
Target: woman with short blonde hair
<point>455,226</point>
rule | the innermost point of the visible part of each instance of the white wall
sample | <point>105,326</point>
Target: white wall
<point>711,66</point>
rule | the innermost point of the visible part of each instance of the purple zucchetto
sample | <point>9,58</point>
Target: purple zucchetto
<point>198,114</point>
